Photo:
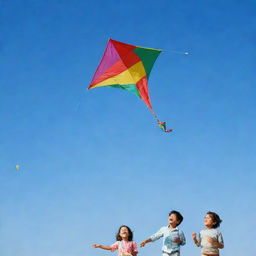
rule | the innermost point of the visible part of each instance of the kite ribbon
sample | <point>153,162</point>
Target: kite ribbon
<point>162,125</point>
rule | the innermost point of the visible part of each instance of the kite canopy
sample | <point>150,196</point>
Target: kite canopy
<point>127,67</point>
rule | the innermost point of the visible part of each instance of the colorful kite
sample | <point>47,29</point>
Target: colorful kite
<point>127,67</point>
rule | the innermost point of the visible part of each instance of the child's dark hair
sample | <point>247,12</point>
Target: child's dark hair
<point>215,218</point>
<point>178,216</point>
<point>130,236</point>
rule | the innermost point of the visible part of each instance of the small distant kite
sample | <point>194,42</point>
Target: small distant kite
<point>127,67</point>
<point>17,167</point>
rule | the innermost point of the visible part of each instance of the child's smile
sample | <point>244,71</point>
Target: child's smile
<point>173,222</point>
<point>208,221</point>
<point>124,233</point>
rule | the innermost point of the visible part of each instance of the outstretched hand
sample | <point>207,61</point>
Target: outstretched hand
<point>142,244</point>
<point>193,235</point>
<point>96,245</point>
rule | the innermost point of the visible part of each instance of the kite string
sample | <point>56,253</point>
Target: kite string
<point>177,52</point>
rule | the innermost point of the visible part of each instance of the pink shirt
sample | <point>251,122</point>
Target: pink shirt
<point>125,247</point>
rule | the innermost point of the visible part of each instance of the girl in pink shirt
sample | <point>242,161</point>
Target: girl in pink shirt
<point>124,243</point>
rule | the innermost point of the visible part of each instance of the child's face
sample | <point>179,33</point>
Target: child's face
<point>208,221</point>
<point>173,220</point>
<point>124,232</point>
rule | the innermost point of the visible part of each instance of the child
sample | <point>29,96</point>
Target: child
<point>210,239</point>
<point>124,244</point>
<point>173,238</point>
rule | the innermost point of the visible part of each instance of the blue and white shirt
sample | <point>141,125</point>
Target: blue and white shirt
<point>169,235</point>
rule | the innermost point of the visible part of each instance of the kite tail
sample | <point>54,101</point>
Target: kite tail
<point>162,125</point>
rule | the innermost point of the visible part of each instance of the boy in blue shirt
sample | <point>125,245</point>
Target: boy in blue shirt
<point>173,238</point>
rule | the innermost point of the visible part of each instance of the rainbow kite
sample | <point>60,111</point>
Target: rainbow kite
<point>127,67</point>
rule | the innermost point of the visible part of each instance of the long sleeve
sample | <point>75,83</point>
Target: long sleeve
<point>157,235</point>
<point>182,238</point>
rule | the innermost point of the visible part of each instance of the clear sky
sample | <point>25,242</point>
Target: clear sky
<point>91,161</point>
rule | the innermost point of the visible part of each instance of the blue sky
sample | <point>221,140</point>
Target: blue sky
<point>91,161</point>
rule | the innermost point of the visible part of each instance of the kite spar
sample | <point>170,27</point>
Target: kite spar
<point>127,67</point>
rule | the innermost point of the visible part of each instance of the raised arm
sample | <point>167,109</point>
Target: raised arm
<point>195,239</point>
<point>104,247</point>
